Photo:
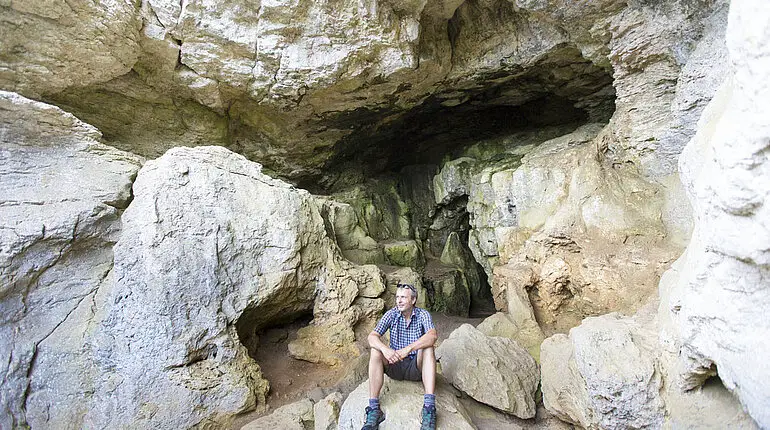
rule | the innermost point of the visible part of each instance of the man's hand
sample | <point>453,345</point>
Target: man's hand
<point>404,352</point>
<point>392,356</point>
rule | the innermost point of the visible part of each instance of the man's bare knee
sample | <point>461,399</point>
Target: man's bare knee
<point>425,353</point>
<point>376,354</point>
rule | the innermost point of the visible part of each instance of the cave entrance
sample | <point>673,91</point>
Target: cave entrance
<point>489,118</point>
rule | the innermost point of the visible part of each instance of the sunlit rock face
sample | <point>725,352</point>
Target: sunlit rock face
<point>716,298</point>
<point>61,196</point>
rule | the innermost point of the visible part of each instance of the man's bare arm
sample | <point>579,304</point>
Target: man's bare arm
<point>425,341</point>
<point>376,343</point>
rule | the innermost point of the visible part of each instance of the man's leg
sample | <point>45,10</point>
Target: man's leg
<point>377,364</point>
<point>373,414</point>
<point>426,362</point>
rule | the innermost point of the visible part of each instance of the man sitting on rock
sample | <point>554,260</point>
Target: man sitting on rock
<point>410,355</point>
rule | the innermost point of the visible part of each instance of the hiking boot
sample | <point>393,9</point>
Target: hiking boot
<point>373,418</point>
<point>428,418</point>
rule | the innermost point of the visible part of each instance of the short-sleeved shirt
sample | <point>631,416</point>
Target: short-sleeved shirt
<point>401,333</point>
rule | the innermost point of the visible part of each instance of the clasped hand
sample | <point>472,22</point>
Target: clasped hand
<point>394,356</point>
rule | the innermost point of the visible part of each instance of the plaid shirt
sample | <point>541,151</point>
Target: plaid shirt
<point>401,333</point>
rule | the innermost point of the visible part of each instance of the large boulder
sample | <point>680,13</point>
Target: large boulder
<point>402,402</point>
<point>493,370</point>
<point>211,251</point>
<point>527,335</point>
<point>603,375</point>
<point>61,196</point>
<point>717,300</point>
<point>614,372</point>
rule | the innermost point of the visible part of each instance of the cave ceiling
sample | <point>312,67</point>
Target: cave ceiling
<point>484,71</point>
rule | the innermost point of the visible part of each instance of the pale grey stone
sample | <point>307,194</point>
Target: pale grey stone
<point>617,372</point>
<point>716,302</point>
<point>294,416</point>
<point>402,403</point>
<point>604,375</point>
<point>211,250</point>
<point>493,370</point>
<point>520,328</point>
<point>61,195</point>
<point>454,179</point>
<point>326,412</point>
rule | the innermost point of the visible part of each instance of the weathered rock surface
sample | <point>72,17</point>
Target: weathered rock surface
<point>330,338</point>
<point>208,243</point>
<point>327,411</point>
<point>295,416</point>
<point>402,402</point>
<point>493,370</point>
<point>526,333</point>
<point>355,244</point>
<point>518,320</point>
<point>542,214</point>
<point>610,379</point>
<point>612,372</point>
<point>48,47</point>
<point>211,251</point>
<point>717,299</point>
<point>61,195</point>
<point>331,94</point>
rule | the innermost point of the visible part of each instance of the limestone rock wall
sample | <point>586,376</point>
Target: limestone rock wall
<point>49,46</point>
<point>613,372</point>
<point>582,235</point>
<point>61,196</point>
<point>580,214</point>
<point>717,296</point>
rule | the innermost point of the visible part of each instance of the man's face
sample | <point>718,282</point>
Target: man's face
<point>404,299</point>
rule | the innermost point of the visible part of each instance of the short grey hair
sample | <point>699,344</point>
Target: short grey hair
<point>408,287</point>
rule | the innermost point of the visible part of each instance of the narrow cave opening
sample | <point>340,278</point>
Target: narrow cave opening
<point>446,241</point>
<point>260,338</point>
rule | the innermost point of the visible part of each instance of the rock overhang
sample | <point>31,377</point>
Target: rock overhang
<point>492,64</point>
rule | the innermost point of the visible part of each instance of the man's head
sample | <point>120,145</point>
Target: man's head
<point>406,297</point>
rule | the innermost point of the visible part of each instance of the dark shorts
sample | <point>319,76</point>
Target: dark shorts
<point>404,370</point>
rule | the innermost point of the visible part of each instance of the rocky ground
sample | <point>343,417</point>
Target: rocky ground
<point>292,380</point>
